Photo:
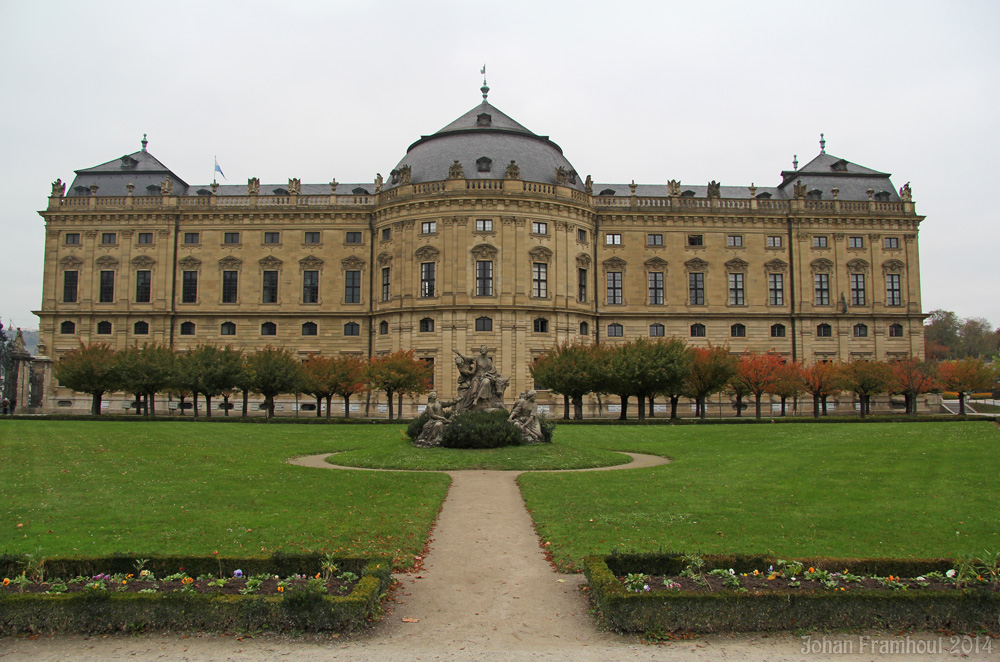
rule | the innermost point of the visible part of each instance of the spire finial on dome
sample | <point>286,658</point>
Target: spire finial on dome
<point>822,144</point>
<point>144,142</point>
<point>795,162</point>
<point>485,89</point>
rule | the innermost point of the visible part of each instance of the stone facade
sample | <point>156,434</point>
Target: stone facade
<point>456,250</point>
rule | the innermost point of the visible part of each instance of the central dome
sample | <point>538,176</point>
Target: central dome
<point>484,141</point>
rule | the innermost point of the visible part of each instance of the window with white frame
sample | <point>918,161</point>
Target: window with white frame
<point>539,280</point>
<point>612,239</point>
<point>614,287</point>
<point>737,293</point>
<point>776,289</point>
<point>893,290</point>
<point>656,288</point>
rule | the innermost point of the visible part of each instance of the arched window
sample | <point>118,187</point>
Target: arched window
<point>104,328</point>
<point>738,331</point>
<point>383,327</point>
<point>309,328</point>
<point>584,329</point>
<point>352,329</point>
<point>777,330</point>
<point>860,331</point>
<point>140,328</point>
<point>484,324</point>
<point>824,331</point>
<point>657,330</point>
<point>541,325</point>
<point>698,330</point>
<point>69,328</point>
<point>268,329</point>
<point>615,330</point>
<point>427,325</point>
<point>228,329</point>
<point>895,330</point>
<point>187,328</point>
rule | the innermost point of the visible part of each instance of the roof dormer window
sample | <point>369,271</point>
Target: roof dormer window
<point>360,191</point>
<point>687,194</point>
<point>81,190</point>
<point>882,196</point>
<point>280,191</point>
<point>607,191</point>
<point>204,191</point>
<point>839,166</point>
<point>764,196</point>
<point>129,162</point>
<point>815,194</point>
<point>394,177</point>
<point>484,164</point>
<point>153,189</point>
<point>484,119</point>
<point>572,177</point>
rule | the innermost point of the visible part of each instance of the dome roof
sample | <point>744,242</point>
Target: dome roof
<point>484,141</point>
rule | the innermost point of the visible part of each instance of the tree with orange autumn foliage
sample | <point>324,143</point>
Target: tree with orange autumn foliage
<point>821,380</point>
<point>325,377</point>
<point>758,374</point>
<point>866,378</point>
<point>399,372</point>
<point>966,376</point>
<point>790,382</point>
<point>711,369</point>
<point>914,377</point>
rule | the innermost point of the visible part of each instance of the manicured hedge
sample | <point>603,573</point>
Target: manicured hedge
<point>731,611</point>
<point>108,611</point>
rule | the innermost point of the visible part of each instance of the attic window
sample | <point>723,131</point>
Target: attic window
<point>204,191</point>
<point>607,191</point>
<point>153,189</point>
<point>687,194</point>
<point>484,164</point>
<point>394,177</point>
<point>882,196</point>
<point>280,191</point>
<point>815,194</point>
<point>839,166</point>
<point>360,191</point>
<point>83,190</point>
<point>763,196</point>
<point>129,162</point>
<point>484,119</point>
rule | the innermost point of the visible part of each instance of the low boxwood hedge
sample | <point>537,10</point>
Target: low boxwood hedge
<point>97,611</point>
<point>732,611</point>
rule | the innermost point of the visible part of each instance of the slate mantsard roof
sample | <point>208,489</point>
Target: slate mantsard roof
<point>484,141</point>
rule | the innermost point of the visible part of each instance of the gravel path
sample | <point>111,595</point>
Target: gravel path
<point>485,592</point>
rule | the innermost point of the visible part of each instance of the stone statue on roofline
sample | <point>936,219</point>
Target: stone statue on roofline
<point>455,171</point>
<point>906,193</point>
<point>58,189</point>
<point>513,171</point>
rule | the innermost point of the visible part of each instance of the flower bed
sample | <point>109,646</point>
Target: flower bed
<point>323,593</point>
<point>642,593</point>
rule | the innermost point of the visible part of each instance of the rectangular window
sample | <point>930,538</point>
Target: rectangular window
<point>231,238</point>
<point>855,242</point>
<point>189,287</point>
<point>612,239</point>
<point>656,288</point>
<point>581,236</point>
<point>736,291</point>
<point>696,240</point>
<point>539,228</point>
<point>145,237</point>
<point>70,281</point>
<point>822,282</point>
<point>109,238</point>
<point>890,242</point>
<point>311,238</point>
<point>272,237</point>
<point>72,238</point>
<point>734,240</point>
<point>539,280</point>
<point>581,278</point>
<point>696,289</point>
<point>857,289</point>
<point>352,287</point>
<point>819,241</point>
<point>190,237</point>
<point>774,241</point>
<point>230,285</point>
<point>270,287</point>
<point>310,286</point>
<point>353,237</point>
<point>142,285</point>
<point>428,227</point>
<point>484,278</point>
<point>614,287</point>
<point>386,234</point>
<point>484,225</point>
<point>893,290</point>
<point>427,279</point>
<point>776,289</point>
<point>654,239</point>
<point>107,291</point>
<point>386,290</point>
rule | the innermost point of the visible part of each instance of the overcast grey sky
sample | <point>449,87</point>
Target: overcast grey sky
<point>649,91</point>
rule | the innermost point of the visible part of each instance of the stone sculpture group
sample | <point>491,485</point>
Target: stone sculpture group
<point>480,388</point>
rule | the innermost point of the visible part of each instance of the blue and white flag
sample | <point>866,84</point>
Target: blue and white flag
<point>219,170</point>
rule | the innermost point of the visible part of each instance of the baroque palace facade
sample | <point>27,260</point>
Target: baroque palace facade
<point>483,234</point>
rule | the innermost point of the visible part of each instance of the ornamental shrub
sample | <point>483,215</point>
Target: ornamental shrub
<point>548,428</point>
<point>481,429</point>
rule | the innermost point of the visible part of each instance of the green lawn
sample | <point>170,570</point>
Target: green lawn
<point>89,488</point>
<point>866,490</point>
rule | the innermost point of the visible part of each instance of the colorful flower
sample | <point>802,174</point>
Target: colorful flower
<point>281,589</point>
<point>6,582</point>
<point>237,574</point>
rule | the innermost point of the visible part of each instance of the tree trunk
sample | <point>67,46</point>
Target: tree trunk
<point>674,399</point>
<point>784,399</point>
<point>578,407</point>
<point>319,406</point>
<point>151,404</point>
<point>180,405</point>
<point>246,402</point>
<point>95,403</point>
<point>565,407</point>
<point>624,415</point>
<point>641,407</point>
<point>194,403</point>
<point>700,406</point>
<point>347,406</point>
<point>208,406</point>
<point>389,393</point>
<point>961,404</point>
<point>739,406</point>
<point>651,411</point>
<point>225,404</point>
<point>329,402</point>
<point>268,407</point>
<point>756,402</point>
<point>823,400</point>
<point>861,409</point>
<point>399,410</point>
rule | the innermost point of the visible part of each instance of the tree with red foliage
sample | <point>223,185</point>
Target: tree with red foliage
<point>757,374</point>
<point>790,382</point>
<point>821,380</point>
<point>966,376</point>
<point>399,372</point>
<point>914,377</point>
<point>570,369</point>
<point>711,369</point>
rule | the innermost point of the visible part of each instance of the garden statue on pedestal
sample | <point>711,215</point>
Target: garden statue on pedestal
<point>480,384</point>
<point>524,415</point>
<point>433,429</point>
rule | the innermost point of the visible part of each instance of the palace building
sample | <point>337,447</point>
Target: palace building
<point>483,233</point>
